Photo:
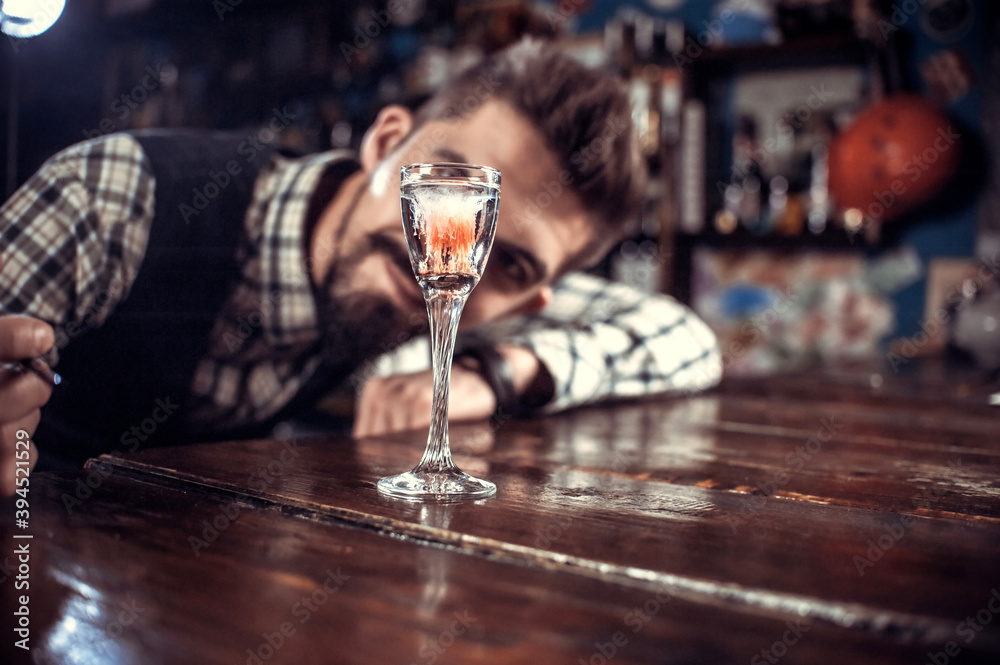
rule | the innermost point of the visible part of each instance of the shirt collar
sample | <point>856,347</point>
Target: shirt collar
<point>276,225</point>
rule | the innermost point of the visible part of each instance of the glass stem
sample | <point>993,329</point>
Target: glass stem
<point>444,310</point>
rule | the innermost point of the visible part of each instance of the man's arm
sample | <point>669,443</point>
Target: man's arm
<point>75,233</point>
<point>596,340</point>
<point>602,340</point>
<point>391,399</point>
<point>72,238</point>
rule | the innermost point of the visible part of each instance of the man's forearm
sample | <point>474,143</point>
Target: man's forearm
<point>600,340</point>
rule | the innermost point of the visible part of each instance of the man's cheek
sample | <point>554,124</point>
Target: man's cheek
<point>484,305</point>
<point>474,312</point>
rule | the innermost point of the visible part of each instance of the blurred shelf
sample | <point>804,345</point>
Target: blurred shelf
<point>814,51</point>
<point>832,238</point>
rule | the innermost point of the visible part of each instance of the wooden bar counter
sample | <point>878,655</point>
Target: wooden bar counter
<point>829,516</point>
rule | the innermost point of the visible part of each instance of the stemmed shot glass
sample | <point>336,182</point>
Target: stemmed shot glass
<point>449,218</point>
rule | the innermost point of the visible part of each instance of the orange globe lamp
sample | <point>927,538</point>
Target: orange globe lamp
<point>894,157</point>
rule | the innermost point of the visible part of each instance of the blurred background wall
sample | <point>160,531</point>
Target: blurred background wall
<point>741,104</point>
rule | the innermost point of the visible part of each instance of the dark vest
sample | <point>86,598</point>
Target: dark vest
<point>126,384</point>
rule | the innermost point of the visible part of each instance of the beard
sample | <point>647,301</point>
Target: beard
<point>359,325</point>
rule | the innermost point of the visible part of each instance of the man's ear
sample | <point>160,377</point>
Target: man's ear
<point>391,126</point>
<point>537,302</point>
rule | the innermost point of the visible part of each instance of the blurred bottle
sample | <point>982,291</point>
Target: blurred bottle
<point>746,175</point>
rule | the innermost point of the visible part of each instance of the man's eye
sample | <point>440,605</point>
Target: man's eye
<point>513,270</point>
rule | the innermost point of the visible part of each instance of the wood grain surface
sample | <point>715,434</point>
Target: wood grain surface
<point>823,517</point>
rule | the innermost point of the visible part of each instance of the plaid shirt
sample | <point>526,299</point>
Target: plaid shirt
<point>75,234</point>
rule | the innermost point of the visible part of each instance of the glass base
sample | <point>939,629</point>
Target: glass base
<point>447,485</point>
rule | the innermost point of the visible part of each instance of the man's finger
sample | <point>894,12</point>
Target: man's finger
<point>21,394</point>
<point>24,337</point>
<point>8,451</point>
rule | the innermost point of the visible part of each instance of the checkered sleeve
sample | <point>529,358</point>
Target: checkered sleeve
<point>73,236</point>
<point>602,340</point>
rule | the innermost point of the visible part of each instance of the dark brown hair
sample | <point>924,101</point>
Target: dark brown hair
<point>583,113</point>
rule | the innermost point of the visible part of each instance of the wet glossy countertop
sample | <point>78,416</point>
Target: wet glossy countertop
<point>835,516</point>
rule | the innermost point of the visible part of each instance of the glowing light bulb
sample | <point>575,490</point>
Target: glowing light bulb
<point>29,18</point>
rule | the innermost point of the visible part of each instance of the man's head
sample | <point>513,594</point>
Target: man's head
<point>560,133</point>
<point>584,118</point>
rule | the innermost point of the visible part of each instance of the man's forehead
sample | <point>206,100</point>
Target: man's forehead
<point>493,131</point>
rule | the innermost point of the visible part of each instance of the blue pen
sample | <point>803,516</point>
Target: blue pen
<point>36,366</point>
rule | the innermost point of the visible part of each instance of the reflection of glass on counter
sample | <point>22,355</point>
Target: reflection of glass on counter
<point>596,449</point>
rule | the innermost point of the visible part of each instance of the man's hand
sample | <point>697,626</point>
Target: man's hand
<point>403,401</point>
<point>21,394</point>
